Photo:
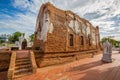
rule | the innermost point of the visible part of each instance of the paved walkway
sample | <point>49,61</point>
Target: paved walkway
<point>3,75</point>
<point>22,53</point>
<point>85,69</point>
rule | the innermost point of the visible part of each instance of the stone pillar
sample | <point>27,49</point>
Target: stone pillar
<point>107,52</point>
<point>21,38</point>
<point>10,73</point>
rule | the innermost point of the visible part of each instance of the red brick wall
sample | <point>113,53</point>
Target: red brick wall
<point>4,60</point>
<point>38,43</point>
<point>58,40</point>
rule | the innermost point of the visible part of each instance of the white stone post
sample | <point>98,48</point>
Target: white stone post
<point>21,38</point>
<point>107,52</point>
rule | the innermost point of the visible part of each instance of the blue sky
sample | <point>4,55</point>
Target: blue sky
<point>20,15</point>
<point>15,17</point>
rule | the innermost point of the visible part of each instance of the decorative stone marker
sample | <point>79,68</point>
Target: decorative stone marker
<point>21,38</point>
<point>107,52</point>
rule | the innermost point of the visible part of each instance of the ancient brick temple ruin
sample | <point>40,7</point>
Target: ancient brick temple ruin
<point>62,36</point>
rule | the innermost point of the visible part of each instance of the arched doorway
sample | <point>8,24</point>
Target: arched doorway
<point>24,44</point>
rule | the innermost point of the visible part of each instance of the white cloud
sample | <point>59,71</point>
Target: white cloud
<point>22,4</point>
<point>23,23</point>
<point>107,9</point>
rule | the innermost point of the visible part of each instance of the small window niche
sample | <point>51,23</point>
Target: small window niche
<point>89,40</point>
<point>82,40</point>
<point>71,43</point>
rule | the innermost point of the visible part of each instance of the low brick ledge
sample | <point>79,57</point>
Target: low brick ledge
<point>75,53</point>
<point>11,69</point>
<point>33,62</point>
<point>83,51</point>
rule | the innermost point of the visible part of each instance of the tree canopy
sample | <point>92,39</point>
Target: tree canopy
<point>31,37</point>
<point>114,42</point>
<point>15,36</point>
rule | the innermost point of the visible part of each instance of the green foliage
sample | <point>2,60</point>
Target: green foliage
<point>15,36</point>
<point>2,41</point>
<point>104,39</point>
<point>114,42</point>
<point>31,37</point>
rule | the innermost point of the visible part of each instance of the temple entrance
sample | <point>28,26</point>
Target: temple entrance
<point>24,44</point>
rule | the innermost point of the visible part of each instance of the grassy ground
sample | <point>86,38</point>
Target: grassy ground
<point>1,45</point>
<point>6,44</point>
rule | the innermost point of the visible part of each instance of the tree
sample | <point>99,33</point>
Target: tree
<point>15,36</point>
<point>31,37</point>
<point>2,41</point>
<point>112,41</point>
<point>104,39</point>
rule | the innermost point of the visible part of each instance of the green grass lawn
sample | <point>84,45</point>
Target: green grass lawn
<point>8,44</point>
<point>1,45</point>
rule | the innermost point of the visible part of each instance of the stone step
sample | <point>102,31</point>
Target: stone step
<point>22,59</point>
<point>23,66</point>
<point>21,75</point>
<point>22,63</point>
<point>22,71</point>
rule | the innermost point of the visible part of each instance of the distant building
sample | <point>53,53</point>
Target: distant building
<point>3,38</point>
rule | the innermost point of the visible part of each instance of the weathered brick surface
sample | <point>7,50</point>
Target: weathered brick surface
<point>46,59</point>
<point>22,54</point>
<point>33,62</point>
<point>84,69</point>
<point>58,42</point>
<point>3,75</point>
<point>11,69</point>
<point>4,60</point>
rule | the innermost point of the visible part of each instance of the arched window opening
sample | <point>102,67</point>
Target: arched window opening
<point>82,40</point>
<point>71,40</point>
<point>89,39</point>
